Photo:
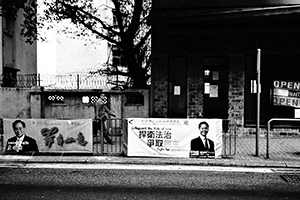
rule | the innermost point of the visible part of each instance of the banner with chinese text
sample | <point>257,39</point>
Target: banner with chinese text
<point>54,135</point>
<point>165,137</point>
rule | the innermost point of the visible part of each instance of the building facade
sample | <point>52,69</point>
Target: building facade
<point>205,59</point>
<point>17,56</point>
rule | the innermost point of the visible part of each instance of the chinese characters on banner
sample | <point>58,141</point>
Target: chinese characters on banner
<point>169,137</point>
<point>54,135</point>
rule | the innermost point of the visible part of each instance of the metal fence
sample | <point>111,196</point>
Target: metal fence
<point>70,81</point>
<point>116,129</point>
<point>229,135</point>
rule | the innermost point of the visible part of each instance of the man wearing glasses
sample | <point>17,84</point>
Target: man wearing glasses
<point>20,143</point>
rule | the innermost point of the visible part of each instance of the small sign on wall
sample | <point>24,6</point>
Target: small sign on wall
<point>213,91</point>
<point>206,88</point>
<point>176,90</point>
<point>215,76</point>
<point>297,113</point>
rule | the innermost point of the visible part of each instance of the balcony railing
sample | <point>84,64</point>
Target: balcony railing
<point>73,81</point>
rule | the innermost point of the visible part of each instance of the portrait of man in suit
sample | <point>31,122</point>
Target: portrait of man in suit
<point>20,143</point>
<point>202,145</point>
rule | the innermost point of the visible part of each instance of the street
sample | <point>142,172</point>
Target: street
<point>88,181</point>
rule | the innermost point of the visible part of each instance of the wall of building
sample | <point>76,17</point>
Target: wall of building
<point>218,3</point>
<point>15,103</point>
<point>34,103</point>
<point>140,110</point>
<point>234,42</point>
<point>25,53</point>
<point>1,45</point>
<point>159,79</point>
<point>195,86</point>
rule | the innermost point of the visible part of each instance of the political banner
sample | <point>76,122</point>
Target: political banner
<point>156,137</point>
<point>50,135</point>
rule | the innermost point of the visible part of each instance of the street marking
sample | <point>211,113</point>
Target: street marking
<point>137,167</point>
<point>285,171</point>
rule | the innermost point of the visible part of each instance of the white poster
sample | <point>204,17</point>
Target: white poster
<point>163,137</point>
<point>50,135</point>
<point>213,91</point>
<point>176,90</point>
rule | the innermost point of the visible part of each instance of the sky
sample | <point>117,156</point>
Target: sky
<point>62,55</point>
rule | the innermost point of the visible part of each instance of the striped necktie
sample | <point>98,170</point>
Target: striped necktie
<point>206,144</point>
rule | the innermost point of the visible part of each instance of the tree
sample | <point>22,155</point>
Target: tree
<point>9,8</point>
<point>124,23</point>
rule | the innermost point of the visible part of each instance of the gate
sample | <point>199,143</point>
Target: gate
<point>115,130</point>
<point>229,138</point>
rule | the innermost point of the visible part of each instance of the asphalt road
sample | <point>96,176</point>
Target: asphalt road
<point>73,182</point>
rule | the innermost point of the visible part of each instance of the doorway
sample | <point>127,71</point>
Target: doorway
<point>177,95</point>
<point>215,91</point>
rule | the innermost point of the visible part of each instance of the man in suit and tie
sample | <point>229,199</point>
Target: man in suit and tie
<point>20,143</point>
<point>202,144</point>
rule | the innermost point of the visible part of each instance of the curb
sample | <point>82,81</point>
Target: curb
<point>145,161</point>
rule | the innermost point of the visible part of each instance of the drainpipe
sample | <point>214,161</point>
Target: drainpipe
<point>258,102</point>
<point>1,46</point>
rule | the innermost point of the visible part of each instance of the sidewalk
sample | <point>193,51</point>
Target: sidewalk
<point>284,152</point>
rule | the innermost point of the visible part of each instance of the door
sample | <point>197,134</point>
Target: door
<point>177,95</point>
<point>215,92</point>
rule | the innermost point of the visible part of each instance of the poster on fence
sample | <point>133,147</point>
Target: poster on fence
<point>156,137</point>
<point>47,135</point>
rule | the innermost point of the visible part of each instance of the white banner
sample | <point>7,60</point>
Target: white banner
<point>52,135</point>
<point>165,137</point>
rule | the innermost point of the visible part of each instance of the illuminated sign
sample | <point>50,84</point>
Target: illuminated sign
<point>286,93</point>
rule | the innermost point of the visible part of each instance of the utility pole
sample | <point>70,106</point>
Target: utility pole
<point>258,101</point>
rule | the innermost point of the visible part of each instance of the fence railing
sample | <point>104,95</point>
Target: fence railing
<point>229,137</point>
<point>72,81</point>
<point>269,130</point>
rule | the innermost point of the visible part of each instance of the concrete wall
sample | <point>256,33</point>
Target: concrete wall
<point>74,108</point>
<point>15,103</point>
<point>138,111</point>
<point>33,103</point>
<point>25,53</point>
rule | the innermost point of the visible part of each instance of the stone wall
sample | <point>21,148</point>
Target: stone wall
<point>195,86</point>
<point>160,87</point>
<point>236,82</point>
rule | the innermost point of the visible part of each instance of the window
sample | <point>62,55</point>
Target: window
<point>134,99</point>
<point>56,99</point>
<point>280,67</point>
<point>89,99</point>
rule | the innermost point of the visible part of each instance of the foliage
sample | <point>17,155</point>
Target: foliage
<point>124,23</point>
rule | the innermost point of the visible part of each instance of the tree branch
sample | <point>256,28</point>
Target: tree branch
<point>143,40</point>
<point>85,14</point>
<point>135,21</point>
<point>118,15</point>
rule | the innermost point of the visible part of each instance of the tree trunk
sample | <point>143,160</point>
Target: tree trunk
<point>136,72</point>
